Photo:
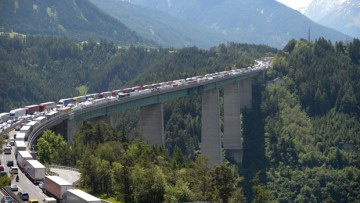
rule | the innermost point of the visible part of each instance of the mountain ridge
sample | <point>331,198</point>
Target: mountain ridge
<point>245,21</point>
<point>342,15</point>
<point>78,19</point>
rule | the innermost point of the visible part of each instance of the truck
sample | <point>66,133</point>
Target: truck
<point>51,115</point>
<point>46,106</point>
<point>32,124</point>
<point>20,136</point>
<point>4,117</point>
<point>64,102</point>
<point>34,170</point>
<point>55,186</point>
<point>79,196</point>
<point>22,158</point>
<point>32,109</point>
<point>64,110</point>
<point>17,113</point>
<point>19,146</point>
<point>26,129</point>
<point>79,99</point>
<point>104,94</point>
<point>40,119</point>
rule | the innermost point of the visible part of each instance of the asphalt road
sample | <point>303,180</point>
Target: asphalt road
<point>24,183</point>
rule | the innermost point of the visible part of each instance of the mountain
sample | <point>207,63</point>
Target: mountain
<point>342,15</point>
<point>248,21</point>
<point>167,30</point>
<point>78,19</point>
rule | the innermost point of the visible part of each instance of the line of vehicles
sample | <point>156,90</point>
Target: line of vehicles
<point>58,189</point>
<point>27,119</point>
<point>16,118</point>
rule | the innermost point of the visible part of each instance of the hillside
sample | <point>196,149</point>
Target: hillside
<point>246,21</point>
<point>79,20</point>
<point>41,69</point>
<point>166,30</point>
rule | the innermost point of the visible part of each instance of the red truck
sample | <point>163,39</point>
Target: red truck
<point>32,109</point>
<point>55,186</point>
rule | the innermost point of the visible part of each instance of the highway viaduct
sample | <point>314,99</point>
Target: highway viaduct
<point>237,95</point>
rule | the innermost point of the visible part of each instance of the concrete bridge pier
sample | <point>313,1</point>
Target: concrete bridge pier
<point>152,124</point>
<point>210,127</point>
<point>232,139</point>
<point>237,96</point>
<point>245,90</point>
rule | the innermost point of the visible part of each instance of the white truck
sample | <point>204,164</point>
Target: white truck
<point>40,119</point>
<point>21,159</point>
<point>26,129</point>
<point>33,124</point>
<point>20,136</point>
<point>16,113</point>
<point>4,117</point>
<point>79,196</point>
<point>35,171</point>
<point>19,146</point>
<point>55,186</point>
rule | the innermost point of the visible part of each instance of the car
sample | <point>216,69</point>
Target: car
<point>14,187</point>
<point>14,170</point>
<point>41,185</point>
<point>2,173</point>
<point>7,199</point>
<point>7,150</point>
<point>10,163</point>
<point>33,201</point>
<point>23,195</point>
<point>17,128</point>
<point>12,141</point>
<point>2,168</point>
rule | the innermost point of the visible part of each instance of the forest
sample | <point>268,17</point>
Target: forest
<point>301,140</point>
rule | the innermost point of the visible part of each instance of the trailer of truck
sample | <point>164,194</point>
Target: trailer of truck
<point>40,119</point>
<point>55,186</point>
<point>32,109</point>
<point>17,113</point>
<point>65,102</point>
<point>4,117</point>
<point>26,129</point>
<point>20,136</point>
<point>19,146</point>
<point>34,170</point>
<point>22,158</point>
<point>46,106</point>
<point>79,196</point>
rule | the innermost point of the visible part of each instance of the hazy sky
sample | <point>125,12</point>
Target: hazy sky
<point>295,4</point>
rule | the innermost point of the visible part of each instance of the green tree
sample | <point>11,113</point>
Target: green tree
<point>222,183</point>
<point>52,148</point>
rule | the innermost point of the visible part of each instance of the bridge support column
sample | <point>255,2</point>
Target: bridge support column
<point>152,124</point>
<point>245,89</point>
<point>232,139</point>
<point>210,127</point>
<point>72,128</point>
<point>237,96</point>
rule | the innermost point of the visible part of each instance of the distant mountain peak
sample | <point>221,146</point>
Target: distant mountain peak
<point>343,15</point>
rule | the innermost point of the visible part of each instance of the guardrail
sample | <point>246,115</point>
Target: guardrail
<point>7,191</point>
<point>84,109</point>
<point>65,167</point>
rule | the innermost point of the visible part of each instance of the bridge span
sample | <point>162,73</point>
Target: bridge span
<point>237,95</point>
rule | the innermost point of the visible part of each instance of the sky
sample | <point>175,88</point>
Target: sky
<point>295,4</point>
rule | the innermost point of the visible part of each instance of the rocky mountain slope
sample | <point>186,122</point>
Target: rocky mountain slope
<point>342,15</point>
